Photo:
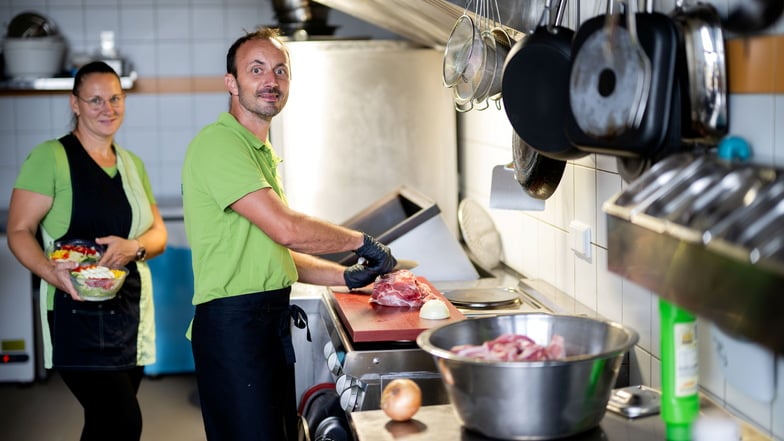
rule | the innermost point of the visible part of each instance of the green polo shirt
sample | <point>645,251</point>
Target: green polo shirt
<point>231,256</point>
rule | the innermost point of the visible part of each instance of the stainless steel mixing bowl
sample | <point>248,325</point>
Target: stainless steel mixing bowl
<point>537,399</point>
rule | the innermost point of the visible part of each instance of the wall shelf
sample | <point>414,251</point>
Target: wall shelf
<point>55,84</point>
<point>717,277</point>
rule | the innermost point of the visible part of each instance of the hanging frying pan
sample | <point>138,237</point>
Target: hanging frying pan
<point>653,133</point>
<point>535,86</point>
<point>539,175</point>
<point>753,16</point>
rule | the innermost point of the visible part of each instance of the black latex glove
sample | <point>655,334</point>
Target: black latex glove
<point>358,275</point>
<point>377,256</point>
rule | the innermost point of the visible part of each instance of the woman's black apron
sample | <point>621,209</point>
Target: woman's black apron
<point>96,335</point>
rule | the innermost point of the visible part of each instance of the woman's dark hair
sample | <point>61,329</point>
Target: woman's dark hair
<point>91,68</point>
<point>262,33</point>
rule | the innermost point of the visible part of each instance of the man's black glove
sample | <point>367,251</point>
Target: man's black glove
<point>358,275</point>
<point>378,257</point>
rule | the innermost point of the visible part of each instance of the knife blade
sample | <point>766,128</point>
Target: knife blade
<point>405,264</point>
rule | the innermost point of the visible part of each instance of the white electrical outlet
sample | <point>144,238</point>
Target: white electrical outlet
<point>580,238</point>
<point>747,366</point>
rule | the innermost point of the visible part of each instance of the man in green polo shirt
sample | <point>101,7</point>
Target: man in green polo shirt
<point>248,249</point>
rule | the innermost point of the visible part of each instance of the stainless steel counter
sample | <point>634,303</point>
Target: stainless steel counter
<point>439,423</point>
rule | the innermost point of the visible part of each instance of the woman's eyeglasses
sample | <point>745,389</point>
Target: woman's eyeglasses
<point>98,102</point>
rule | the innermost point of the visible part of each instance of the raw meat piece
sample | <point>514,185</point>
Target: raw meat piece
<point>514,347</point>
<point>400,288</point>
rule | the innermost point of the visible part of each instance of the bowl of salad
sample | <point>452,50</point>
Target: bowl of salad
<point>98,283</point>
<point>77,250</point>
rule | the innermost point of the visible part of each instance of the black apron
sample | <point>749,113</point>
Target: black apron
<point>96,335</point>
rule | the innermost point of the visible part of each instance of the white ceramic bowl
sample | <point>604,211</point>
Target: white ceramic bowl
<point>39,57</point>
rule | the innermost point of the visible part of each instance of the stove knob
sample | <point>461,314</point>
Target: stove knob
<point>351,398</point>
<point>344,382</point>
<point>328,349</point>
<point>333,364</point>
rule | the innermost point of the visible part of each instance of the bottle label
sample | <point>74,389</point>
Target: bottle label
<point>686,359</point>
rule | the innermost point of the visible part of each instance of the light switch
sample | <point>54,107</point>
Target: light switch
<point>580,238</point>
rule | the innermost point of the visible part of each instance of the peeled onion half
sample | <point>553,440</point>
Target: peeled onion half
<point>434,310</point>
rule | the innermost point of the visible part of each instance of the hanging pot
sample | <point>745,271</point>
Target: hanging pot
<point>538,174</point>
<point>752,16</point>
<point>704,72</point>
<point>535,86</point>
<point>639,128</point>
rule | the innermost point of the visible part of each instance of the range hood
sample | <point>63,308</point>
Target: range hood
<point>429,22</point>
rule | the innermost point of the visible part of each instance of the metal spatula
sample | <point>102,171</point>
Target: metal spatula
<point>507,194</point>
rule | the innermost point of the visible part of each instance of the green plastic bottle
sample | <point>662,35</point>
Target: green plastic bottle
<point>680,401</point>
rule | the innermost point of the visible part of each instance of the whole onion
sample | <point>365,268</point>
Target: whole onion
<point>401,399</point>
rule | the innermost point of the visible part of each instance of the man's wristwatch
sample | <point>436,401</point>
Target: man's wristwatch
<point>141,253</point>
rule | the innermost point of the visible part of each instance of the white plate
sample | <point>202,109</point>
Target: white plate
<point>479,233</point>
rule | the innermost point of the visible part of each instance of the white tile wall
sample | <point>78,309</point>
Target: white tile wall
<point>588,183</point>
<point>190,37</point>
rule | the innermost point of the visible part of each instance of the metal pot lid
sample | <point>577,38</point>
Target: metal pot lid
<point>482,297</point>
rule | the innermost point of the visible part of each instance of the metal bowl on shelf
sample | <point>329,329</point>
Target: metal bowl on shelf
<point>31,25</point>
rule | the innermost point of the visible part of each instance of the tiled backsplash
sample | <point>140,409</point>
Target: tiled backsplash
<point>179,38</point>
<point>537,243</point>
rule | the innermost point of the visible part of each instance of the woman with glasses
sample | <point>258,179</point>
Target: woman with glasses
<point>84,186</point>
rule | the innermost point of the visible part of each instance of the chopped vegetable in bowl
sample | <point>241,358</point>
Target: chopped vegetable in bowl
<point>98,283</point>
<point>77,250</point>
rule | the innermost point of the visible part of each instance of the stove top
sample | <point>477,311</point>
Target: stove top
<point>504,295</point>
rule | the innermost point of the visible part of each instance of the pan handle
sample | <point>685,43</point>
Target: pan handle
<point>546,18</point>
<point>559,14</point>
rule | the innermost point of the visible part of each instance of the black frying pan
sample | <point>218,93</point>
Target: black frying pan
<point>535,87</point>
<point>538,174</point>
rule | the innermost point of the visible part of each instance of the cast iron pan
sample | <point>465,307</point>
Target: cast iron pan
<point>538,174</point>
<point>658,36</point>
<point>535,87</point>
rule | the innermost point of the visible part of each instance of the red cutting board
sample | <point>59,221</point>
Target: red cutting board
<point>371,322</point>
